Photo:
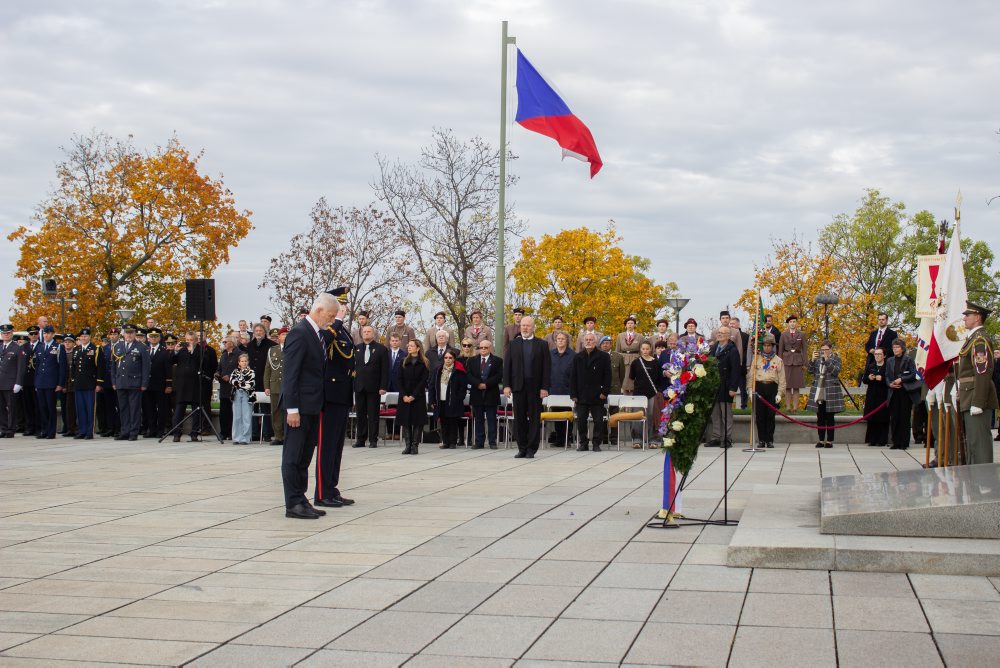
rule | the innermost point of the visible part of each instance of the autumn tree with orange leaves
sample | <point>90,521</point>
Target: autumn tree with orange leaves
<point>125,228</point>
<point>578,273</point>
<point>791,279</point>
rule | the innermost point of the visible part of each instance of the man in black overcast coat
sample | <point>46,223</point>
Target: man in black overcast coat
<point>526,369</point>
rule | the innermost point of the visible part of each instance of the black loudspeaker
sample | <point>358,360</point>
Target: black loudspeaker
<point>200,299</point>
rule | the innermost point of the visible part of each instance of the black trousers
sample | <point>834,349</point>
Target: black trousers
<point>155,412</point>
<point>67,409</point>
<point>485,419</point>
<point>764,416</point>
<point>596,413</point>
<point>366,407</point>
<point>226,418</point>
<point>900,407</point>
<point>528,418</point>
<point>8,413</point>
<point>46,411</point>
<point>130,410</point>
<point>332,433</point>
<point>181,408</point>
<point>112,421</point>
<point>824,419</point>
<point>450,426</point>
<point>296,455</point>
<point>877,433</point>
<point>28,409</point>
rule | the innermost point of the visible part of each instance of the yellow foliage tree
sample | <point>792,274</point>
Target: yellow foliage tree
<point>125,229</point>
<point>792,278</point>
<point>579,273</point>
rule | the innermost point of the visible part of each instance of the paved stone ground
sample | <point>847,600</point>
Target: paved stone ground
<point>151,553</point>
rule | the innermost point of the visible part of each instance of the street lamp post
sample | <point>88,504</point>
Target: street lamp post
<point>827,299</point>
<point>677,304</point>
<point>124,315</point>
<point>71,300</point>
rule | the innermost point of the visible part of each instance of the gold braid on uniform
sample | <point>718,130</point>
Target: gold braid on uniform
<point>333,346</point>
<point>115,356</point>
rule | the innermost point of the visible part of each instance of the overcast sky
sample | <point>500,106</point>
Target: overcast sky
<point>720,124</point>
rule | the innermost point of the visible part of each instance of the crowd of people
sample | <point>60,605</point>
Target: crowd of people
<point>139,382</point>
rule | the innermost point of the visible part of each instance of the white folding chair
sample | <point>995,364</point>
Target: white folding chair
<point>506,417</point>
<point>261,408</point>
<point>558,402</point>
<point>631,404</point>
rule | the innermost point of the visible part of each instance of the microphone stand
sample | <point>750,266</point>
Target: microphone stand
<point>200,408</point>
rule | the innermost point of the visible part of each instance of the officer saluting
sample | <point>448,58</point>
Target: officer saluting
<point>130,375</point>
<point>338,396</point>
<point>50,378</point>
<point>84,365</point>
<point>976,394</point>
<point>13,363</point>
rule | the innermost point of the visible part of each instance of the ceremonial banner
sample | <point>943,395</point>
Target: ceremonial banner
<point>949,329</point>
<point>928,272</point>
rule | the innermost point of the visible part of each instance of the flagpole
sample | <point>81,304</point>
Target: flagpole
<point>753,377</point>
<point>498,324</point>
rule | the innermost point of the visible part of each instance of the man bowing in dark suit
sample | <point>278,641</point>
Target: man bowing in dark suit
<point>526,368</point>
<point>302,396</point>
<point>371,364</point>
<point>485,371</point>
<point>338,397</point>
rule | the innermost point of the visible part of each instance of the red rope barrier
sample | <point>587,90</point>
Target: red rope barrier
<point>812,426</point>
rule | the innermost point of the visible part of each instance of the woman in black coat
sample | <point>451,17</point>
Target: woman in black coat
<point>900,369</point>
<point>877,431</point>
<point>448,391</point>
<point>411,411</point>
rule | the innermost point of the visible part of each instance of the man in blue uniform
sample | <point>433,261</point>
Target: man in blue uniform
<point>50,378</point>
<point>338,395</point>
<point>130,367</point>
<point>85,362</point>
<point>29,399</point>
<point>13,363</point>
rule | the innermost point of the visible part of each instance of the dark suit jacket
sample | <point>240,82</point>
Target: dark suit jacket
<point>729,370</point>
<point>394,368</point>
<point>434,360</point>
<point>776,333</point>
<point>159,368</point>
<point>905,369</point>
<point>303,379</point>
<point>514,372</point>
<point>885,344</point>
<point>590,377</point>
<point>492,375</point>
<point>373,376</point>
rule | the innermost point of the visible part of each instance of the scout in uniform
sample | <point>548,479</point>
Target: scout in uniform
<point>130,374</point>
<point>976,395</point>
<point>273,372</point>
<point>50,377</point>
<point>84,363</point>
<point>13,363</point>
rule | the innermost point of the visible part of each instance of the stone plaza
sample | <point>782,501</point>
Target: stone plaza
<point>166,554</point>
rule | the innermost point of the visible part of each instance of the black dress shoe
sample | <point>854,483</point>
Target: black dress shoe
<point>477,447</point>
<point>828,445</point>
<point>358,445</point>
<point>769,445</point>
<point>177,438</point>
<point>329,503</point>
<point>301,512</point>
<point>88,437</point>
<point>819,444</point>
<point>344,501</point>
<point>78,437</point>
<point>319,512</point>
<point>713,444</point>
<point>597,448</point>
<point>277,441</point>
<point>493,447</point>
<point>195,438</point>
<point>530,455</point>
<point>133,438</point>
<point>583,448</point>
<point>373,445</point>
<point>520,455</point>
<point>121,437</point>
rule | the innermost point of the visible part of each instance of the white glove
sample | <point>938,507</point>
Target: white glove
<point>17,388</point>
<point>777,400</point>
<point>954,395</point>
<point>975,410</point>
<point>931,398</point>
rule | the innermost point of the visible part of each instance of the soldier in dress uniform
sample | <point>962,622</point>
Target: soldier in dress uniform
<point>105,380</point>
<point>84,365</point>
<point>28,398</point>
<point>338,397</point>
<point>50,378</point>
<point>976,395</point>
<point>13,363</point>
<point>273,372</point>
<point>170,344</point>
<point>130,368</point>
<point>155,407</point>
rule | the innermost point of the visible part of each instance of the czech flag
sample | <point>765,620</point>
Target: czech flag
<point>540,109</point>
